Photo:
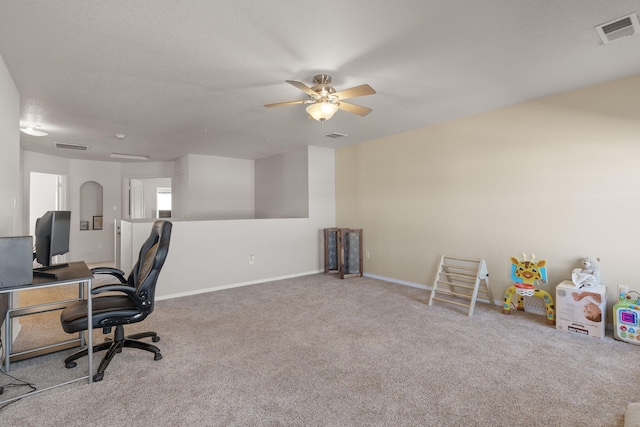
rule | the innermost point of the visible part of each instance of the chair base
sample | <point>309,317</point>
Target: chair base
<point>114,346</point>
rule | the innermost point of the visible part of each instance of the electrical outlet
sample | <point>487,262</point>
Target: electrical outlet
<point>252,259</point>
<point>367,254</point>
<point>623,289</point>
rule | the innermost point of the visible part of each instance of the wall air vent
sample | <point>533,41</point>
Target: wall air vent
<point>336,135</point>
<point>66,146</point>
<point>619,28</point>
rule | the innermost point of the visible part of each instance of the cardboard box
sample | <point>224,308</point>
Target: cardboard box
<point>582,311</point>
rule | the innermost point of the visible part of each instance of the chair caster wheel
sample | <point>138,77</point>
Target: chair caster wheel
<point>158,356</point>
<point>155,339</point>
<point>98,377</point>
<point>71,365</point>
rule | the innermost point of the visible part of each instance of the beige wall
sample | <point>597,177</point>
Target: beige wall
<point>559,177</point>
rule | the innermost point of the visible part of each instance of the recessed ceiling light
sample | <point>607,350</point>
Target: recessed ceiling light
<point>33,132</point>
<point>129,156</point>
<point>120,135</point>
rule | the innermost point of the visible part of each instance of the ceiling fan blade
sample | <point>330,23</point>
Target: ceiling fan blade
<point>280,104</point>
<point>355,91</point>
<point>355,109</point>
<point>303,87</point>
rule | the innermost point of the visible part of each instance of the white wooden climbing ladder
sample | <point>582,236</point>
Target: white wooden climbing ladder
<point>460,282</point>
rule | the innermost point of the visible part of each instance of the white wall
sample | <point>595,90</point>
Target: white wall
<point>148,169</point>
<point>40,163</point>
<point>95,245</point>
<point>92,245</point>
<point>219,187</point>
<point>11,200</point>
<point>207,187</point>
<point>208,255</point>
<point>282,185</point>
<point>43,201</point>
<point>150,194</point>
<point>179,190</point>
<point>145,171</point>
<point>322,186</point>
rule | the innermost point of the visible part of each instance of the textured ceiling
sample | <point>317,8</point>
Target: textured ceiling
<point>180,77</point>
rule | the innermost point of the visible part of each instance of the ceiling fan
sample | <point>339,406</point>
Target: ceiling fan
<point>324,101</point>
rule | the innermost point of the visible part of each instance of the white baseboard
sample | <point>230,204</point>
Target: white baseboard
<point>235,285</point>
<point>534,310</point>
<point>400,282</point>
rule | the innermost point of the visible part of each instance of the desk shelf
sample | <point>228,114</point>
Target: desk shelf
<point>14,313</point>
<point>75,272</point>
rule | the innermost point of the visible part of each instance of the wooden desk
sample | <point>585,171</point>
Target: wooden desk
<point>75,272</point>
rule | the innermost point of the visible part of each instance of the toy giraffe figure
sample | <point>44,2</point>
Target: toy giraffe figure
<point>528,272</point>
<point>526,275</point>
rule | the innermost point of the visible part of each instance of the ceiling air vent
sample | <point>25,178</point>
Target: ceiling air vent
<point>66,146</point>
<point>619,28</point>
<point>336,135</point>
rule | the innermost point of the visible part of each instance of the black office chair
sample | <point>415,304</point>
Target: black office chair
<point>132,302</point>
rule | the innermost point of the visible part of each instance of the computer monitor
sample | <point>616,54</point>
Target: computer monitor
<point>52,235</point>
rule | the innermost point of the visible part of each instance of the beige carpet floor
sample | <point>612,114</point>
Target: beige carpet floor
<point>320,351</point>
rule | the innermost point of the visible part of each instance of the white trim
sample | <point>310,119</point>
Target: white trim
<point>533,310</point>
<point>429,288</point>
<point>400,282</point>
<point>235,285</point>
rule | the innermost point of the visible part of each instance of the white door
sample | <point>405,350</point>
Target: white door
<point>116,239</point>
<point>136,198</point>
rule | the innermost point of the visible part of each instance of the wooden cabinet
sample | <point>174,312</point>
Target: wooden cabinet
<point>343,252</point>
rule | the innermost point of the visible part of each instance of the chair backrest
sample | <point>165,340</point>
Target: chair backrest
<point>150,261</point>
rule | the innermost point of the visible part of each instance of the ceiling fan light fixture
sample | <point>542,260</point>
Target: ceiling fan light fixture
<point>33,132</point>
<point>322,111</point>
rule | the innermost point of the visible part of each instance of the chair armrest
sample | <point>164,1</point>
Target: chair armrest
<point>119,274</point>
<point>141,303</point>
<point>125,289</point>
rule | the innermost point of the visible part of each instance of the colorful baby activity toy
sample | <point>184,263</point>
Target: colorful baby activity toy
<point>626,317</point>
<point>526,275</point>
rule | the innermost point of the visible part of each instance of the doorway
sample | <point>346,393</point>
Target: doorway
<point>146,198</point>
<point>136,199</point>
<point>47,192</point>
<point>163,197</point>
